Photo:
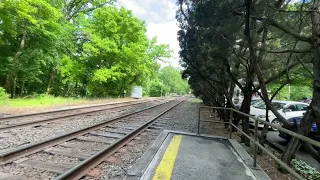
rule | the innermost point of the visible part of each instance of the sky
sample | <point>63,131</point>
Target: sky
<point>159,16</point>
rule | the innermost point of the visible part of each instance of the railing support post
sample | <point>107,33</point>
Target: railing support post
<point>230,123</point>
<point>255,146</point>
<point>198,132</point>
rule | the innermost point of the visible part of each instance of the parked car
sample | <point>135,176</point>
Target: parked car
<point>254,101</point>
<point>238,104</point>
<point>287,109</point>
<point>306,100</point>
<point>312,133</point>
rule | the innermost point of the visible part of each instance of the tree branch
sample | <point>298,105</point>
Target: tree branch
<point>280,26</point>
<point>305,67</point>
<point>233,77</point>
<point>288,51</point>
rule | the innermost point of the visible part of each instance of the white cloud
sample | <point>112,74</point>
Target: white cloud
<point>132,6</point>
<point>160,18</point>
<point>167,34</point>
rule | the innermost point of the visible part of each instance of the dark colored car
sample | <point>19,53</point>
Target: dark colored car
<point>298,119</point>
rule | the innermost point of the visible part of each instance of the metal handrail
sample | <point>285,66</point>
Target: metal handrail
<point>255,140</point>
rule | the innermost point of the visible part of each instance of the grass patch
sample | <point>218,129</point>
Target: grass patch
<point>40,100</point>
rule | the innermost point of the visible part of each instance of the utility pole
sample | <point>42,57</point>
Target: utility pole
<point>161,87</point>
<point>289,91</point>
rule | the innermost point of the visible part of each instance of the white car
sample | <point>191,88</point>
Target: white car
<point>287,109</point>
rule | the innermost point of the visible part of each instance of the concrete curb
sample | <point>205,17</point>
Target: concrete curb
<point>257,172</point>
<point>141,165</point>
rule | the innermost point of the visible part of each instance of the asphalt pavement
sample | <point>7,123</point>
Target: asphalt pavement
<point>274,139</point>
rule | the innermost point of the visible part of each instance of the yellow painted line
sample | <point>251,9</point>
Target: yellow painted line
<point>164,169</point>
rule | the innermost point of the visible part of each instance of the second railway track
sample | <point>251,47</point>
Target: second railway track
<point>24,120</point>
<point>79,151</point>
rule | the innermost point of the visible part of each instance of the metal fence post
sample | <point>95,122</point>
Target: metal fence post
<point>255,146</point>
<point>230,122</point>
<point>199,121</point>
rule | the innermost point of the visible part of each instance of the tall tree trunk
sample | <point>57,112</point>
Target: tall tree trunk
<point>13,72</point>
<point>22,88</point>
<point>14,87</point>
<point>264,132</point>
<point>66,89</point>
<point>228,112</point>
<point>75,93</point>
<point>247,94</point>
<point>51,78</point>
<point>6,84</point>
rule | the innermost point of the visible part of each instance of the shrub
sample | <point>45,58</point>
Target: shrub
<point>3,95</point>
<point>305,170</point>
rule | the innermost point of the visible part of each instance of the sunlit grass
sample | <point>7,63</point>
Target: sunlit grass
<point>41,100</point>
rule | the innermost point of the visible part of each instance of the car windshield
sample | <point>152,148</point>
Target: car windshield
<point>262,105</point>
<point>278,105</point>
<point>254,101</point>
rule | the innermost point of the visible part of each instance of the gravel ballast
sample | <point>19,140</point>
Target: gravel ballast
<point>185,117</point>
<point>26,135</point>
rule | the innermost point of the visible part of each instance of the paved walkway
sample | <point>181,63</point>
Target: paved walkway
<point>183,156</point>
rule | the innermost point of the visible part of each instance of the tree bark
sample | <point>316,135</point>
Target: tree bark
<point>75,93</point>
<point>66,89</point>
<point>22,88</point>
<point>51,78</point>
<point>6,84</point>
<point>14,87</point>
<point>15,62</point>
<point>247,94</point>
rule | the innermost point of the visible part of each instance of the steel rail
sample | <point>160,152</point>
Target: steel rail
<point>62,117</point>
<point>85,166</point>
<point>16,153</point>
<point>70,109</point>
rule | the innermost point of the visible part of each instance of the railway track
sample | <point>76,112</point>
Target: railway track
<point>35,131</point>
<point>25,120</point>
<point>72,155</point>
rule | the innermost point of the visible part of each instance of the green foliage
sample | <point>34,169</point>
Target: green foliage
<point>171,77</point>
<point>155,89</point>
<point>74,48</point>
<point>300,86</point>
<point>297,92</point>
<point>305,170</point>
<point>3,95</point>
<point>170,81</point>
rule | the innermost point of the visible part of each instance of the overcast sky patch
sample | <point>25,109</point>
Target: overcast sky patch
<point>159,16</point>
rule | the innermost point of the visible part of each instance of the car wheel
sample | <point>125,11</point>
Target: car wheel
<point>276,123</point>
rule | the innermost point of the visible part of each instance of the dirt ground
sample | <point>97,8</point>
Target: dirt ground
<point>268,164</point>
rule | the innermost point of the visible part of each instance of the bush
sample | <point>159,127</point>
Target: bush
<point>3,95</point>
<point>305,170</point>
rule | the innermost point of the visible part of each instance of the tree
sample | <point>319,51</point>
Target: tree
<point>25,24</point>
<point>272,43</point>
<point>74,48</point>
<point>171,78</point>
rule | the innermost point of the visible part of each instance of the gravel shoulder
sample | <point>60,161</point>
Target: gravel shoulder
<point>185,117</point>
